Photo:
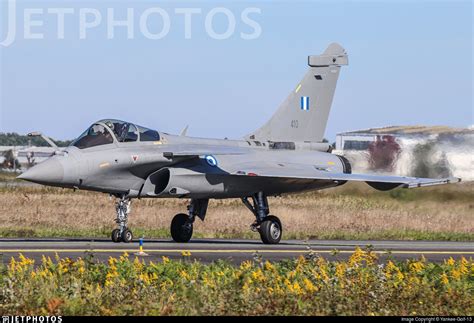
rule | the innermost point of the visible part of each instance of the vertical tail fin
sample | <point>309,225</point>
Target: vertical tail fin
<point>304,114</point>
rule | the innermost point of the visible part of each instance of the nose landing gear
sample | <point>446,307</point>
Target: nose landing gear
<point>122,209</point>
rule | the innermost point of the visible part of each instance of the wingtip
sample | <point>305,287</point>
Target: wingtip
<point>451,180</point>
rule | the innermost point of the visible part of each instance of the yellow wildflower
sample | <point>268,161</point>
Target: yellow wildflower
<point>444,278</point>
<point>301,260</point>
<point>258,275</point>
<point>144,278</point>
<point>247,283</point>
<point>463,266</point>
<point>108,282</point>
<point>456,274</point>
<point>324,274</point>
<point>399,275</point>
<point>246,265</point>
<point>44,273</point>
<point>138,264</point>
<point>112,261</point>
<point>417,266</point>
<point>12,264</point>
<point>124,256</point>
<point>390,266</point>
<point>308,285</point>
<point>340,270</point>
<point>451,261</point>
<point>297,288</point>
<point>184,274</point>
<point>357,257</point>
<point>269,266</point>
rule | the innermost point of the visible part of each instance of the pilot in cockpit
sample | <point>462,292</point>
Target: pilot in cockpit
<point>120,129</point>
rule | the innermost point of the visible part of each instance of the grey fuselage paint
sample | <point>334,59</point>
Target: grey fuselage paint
<point>129,168</point>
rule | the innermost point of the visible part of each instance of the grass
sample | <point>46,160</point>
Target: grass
<point>8,176</point>
<point>353,211</point>
<point>306,286</point>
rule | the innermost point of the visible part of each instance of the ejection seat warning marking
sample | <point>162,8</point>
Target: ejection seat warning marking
<point>134,158</point>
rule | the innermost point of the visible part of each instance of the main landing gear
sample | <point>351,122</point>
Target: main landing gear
<point>122,234</point>
<point>269,226</point>
<point>182,224</point>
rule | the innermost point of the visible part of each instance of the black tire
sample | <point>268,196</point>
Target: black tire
<point>271,230</point>
<point>116,236</point>
<point>180,232</point>
<point>127,236</point>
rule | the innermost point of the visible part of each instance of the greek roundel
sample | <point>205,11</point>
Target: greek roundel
<point>305,103</point>
<point>211,160</point>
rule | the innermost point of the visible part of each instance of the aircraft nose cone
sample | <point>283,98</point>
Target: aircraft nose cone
<point>48,172</point>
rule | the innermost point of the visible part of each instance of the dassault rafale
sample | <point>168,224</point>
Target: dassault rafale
<point>286,155</point>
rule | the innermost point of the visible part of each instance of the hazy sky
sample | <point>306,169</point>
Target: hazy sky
<point>409,63</point>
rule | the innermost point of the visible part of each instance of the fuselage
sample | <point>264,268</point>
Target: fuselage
<point>149,168</point>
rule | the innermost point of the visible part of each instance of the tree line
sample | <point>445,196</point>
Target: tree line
<point>14,139</point>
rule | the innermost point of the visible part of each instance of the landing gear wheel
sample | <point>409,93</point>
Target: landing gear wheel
<point>270,230</point>
<point>116,235</point>
<point>181,229</point>
<point>127,236</point>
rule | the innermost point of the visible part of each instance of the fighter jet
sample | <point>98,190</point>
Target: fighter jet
<point>286,155</point>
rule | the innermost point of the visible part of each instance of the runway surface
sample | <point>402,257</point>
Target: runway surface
<point>236,251</point>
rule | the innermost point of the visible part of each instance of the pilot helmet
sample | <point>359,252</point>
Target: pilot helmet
<point>110,124</point>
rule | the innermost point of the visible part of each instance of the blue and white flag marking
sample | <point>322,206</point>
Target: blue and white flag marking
<point>305,103</point>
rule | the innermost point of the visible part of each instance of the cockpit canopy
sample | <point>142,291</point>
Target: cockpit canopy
<point>106,131</point>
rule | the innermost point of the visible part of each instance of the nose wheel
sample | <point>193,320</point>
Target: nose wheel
<point>127,236</point>
<point>116,235</point>
<point>122,233</point>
